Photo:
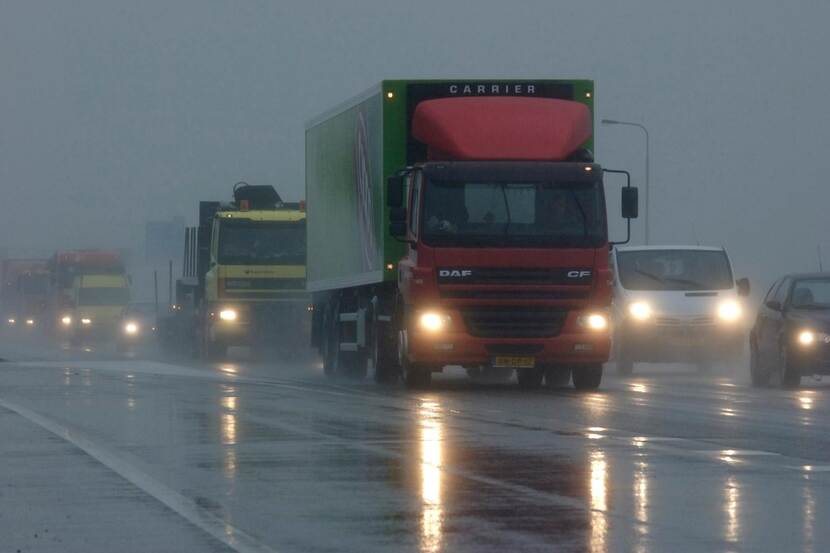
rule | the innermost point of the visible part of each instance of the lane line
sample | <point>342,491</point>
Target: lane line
<point>233,537</point>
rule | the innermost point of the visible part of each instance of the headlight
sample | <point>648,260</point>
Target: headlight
<point>86,321</point>
<point>729,311</point>
<point>12,321</point>
<point>593,321</point>
<point>30,322</point>
<point>66,320</point>
<point>640,310</point>
<point>227,315</point>
<point>432,321</point>
<point>809,337</point>
<point>806,337</point>
<point>131,328</point>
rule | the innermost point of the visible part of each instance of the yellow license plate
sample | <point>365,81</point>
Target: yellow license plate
<point>515,362</point>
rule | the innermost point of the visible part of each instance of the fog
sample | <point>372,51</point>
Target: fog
<point>116,113</point>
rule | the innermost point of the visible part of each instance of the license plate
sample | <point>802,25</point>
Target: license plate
<point>514,362</point>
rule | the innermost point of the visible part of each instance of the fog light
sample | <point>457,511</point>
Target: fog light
<point>432,321</point>
<point>593,321</point>
<point>228,315</point>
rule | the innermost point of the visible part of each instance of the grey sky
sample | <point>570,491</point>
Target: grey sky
<point>116,112</point>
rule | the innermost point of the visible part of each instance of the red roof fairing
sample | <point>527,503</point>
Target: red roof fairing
<point>501,128</point>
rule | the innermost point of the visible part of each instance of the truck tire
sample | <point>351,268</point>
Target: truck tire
<point>530,378</point>
<point>384,358</point>
<point>416,377</point>
<point>588,377</point>
<point>557,377</point>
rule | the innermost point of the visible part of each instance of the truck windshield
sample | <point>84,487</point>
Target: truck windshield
<point>512,214</point>
<point>674,270</point>
<point>103,296</point>
<point>261,243</point>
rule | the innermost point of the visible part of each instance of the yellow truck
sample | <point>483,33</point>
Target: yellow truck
<point>99,301</point>
<point>249,272</point>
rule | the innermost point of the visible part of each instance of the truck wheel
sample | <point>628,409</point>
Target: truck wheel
<point>557,377</point>
<point>383,358</point>
<point>530,378</point>
<point>587,378</point>
<point>416,377</point>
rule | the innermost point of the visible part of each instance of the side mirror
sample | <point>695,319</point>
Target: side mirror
<point>775,305</point>
<point>394,191</point>
<point>743,286</point>
<point>630,203</point>
<point>397,221</point>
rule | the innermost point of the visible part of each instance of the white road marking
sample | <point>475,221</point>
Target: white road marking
<point>206,521</point>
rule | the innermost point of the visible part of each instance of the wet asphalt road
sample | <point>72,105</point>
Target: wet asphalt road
<point>106,452</point>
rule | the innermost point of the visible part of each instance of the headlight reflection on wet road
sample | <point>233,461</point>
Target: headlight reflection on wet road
<point>431,443</point>
<point>228,429</point>
<point>599,502</point>
<point>732,499</point>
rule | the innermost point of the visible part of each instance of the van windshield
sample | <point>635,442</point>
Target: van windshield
<point>674,270</point>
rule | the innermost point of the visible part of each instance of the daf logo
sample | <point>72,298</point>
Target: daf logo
<point>579,274</point>
<point>455,273</point>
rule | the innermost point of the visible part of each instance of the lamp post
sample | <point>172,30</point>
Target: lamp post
<point>648,167</point>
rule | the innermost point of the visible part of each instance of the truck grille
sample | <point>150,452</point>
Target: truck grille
<point>514,275</point>
<point>513,322</point>
<point>249,284</point>
<point>516,294</point>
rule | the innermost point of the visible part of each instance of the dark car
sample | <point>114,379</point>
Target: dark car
<point>791,336</point>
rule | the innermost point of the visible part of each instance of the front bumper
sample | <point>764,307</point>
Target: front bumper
<point>648,342</point>
<point>567,344</point>
<point>260,322</point>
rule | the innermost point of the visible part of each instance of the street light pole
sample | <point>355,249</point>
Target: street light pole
<point>648,166</point>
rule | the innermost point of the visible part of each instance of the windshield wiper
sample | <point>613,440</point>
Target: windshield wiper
<point>507,209</point>
<point>699,285</point>
<point>581,212</point>
<point>649,275</point>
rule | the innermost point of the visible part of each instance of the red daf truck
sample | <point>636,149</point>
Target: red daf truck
<point>461,224</point>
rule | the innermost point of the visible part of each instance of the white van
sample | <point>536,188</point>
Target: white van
<point>676,304</point>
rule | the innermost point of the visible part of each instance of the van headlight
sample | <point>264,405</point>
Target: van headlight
<point>228,315</point>
<point>729,311</point>
<point>640,311</point>
<point>433,321</point>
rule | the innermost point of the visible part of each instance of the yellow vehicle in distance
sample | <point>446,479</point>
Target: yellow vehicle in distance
<point>250,271</point>
<point>99,302</point>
